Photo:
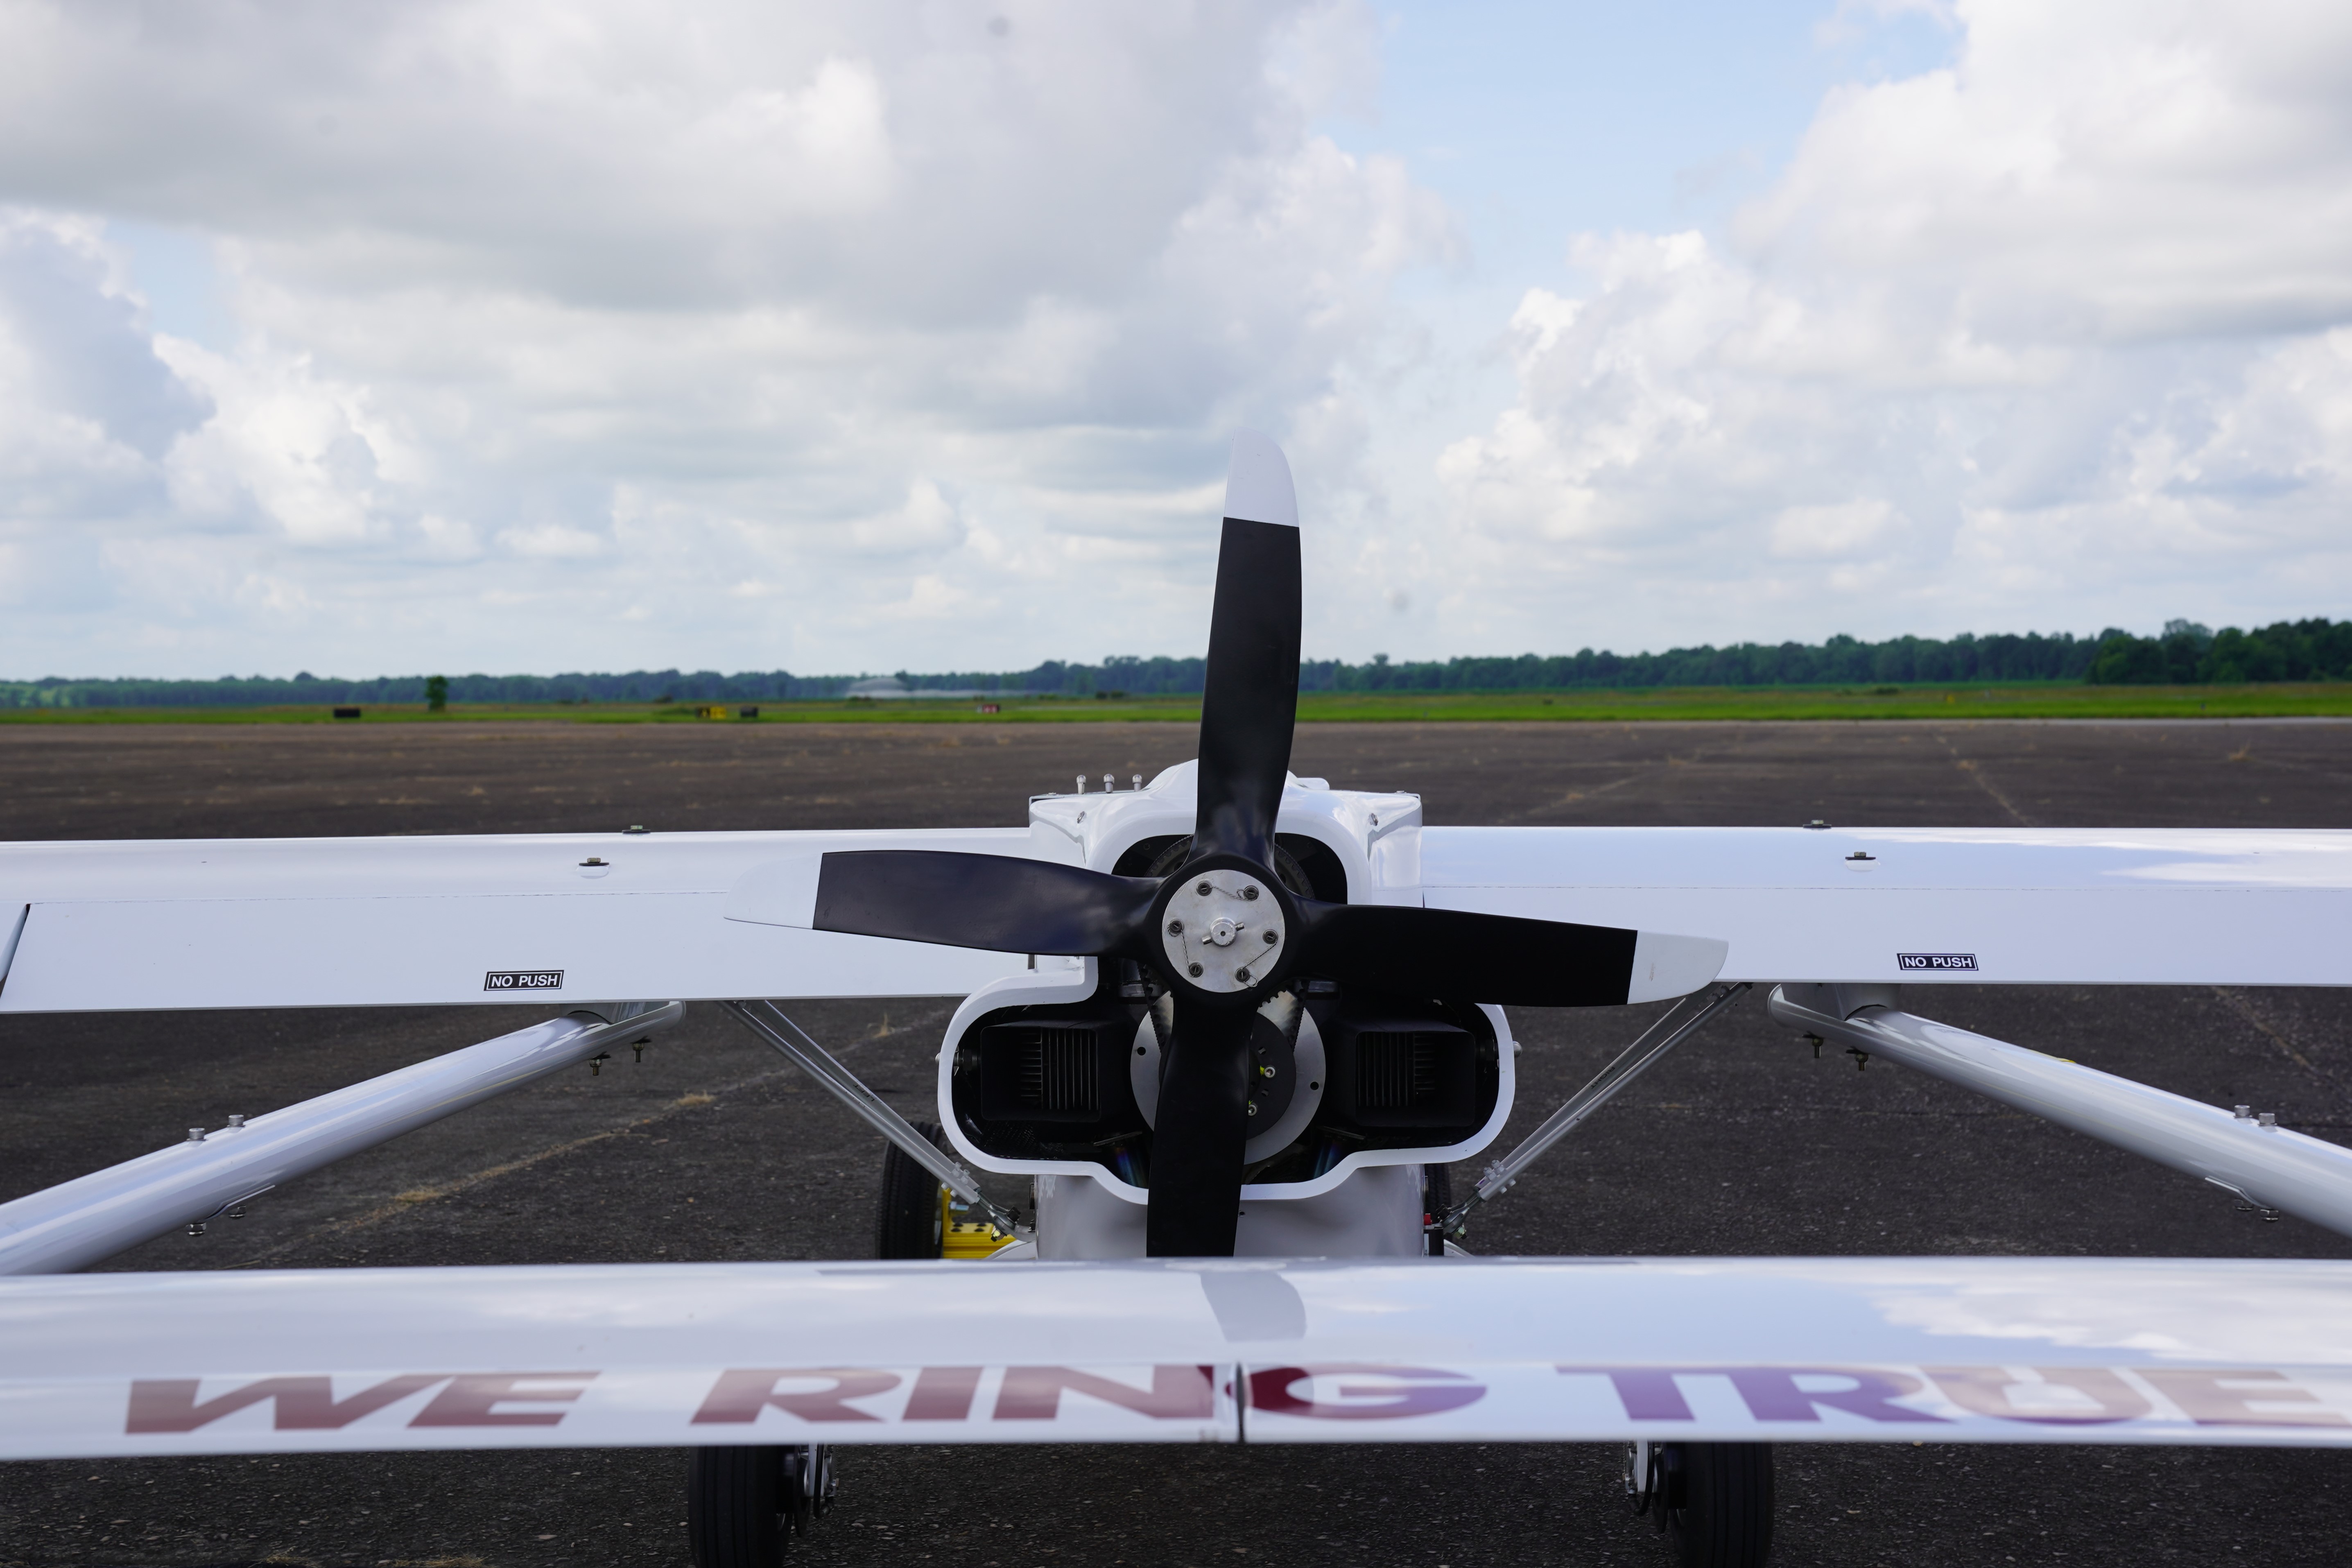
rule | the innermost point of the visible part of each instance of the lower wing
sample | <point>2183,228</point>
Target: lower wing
<point>1845,1350</point>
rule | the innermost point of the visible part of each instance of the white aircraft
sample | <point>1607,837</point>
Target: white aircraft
<point>1233,1024</point>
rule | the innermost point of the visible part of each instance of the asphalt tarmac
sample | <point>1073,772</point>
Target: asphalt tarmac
<point>1741,1141</point>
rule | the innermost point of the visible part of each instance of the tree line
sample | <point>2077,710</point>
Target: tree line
<point>2184,653</point>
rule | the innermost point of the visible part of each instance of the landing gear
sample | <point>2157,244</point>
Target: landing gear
<point>743,1506</point>
<point>915,1216</point>
<point>909,1220</point>
<point>1436,1198</point>
<point>1713,1500</point>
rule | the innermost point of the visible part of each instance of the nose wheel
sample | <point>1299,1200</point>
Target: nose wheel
<point>1712,1501</point>
<point>744,1506</point>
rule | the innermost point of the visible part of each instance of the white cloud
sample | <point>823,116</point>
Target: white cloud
<point>859,337</point>
<point>2052,337</point>
<point>871,307</point>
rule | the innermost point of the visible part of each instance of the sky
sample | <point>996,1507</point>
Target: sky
<point>512,336</point>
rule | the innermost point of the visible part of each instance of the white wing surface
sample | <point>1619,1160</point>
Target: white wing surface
<point>388,922</point>
<point>294,923</point>
<point>1843,1350</point>
<point>2021,906</point>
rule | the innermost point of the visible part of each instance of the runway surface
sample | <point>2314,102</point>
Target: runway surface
<point>1740,1142</point>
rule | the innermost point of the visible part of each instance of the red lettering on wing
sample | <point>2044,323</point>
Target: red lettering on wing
<point>740,1394</point>
<point>472,1399</point>
<point>303,1404</point>
<point>1987,1391</point>
<point>2223,1396</point>
<point>1770,1393</point>
<point>1177,1392</point>
<point>942,1394</point>
<point>1409,1391</point>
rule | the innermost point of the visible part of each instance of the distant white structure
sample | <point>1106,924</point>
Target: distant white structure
<point>890,686</point>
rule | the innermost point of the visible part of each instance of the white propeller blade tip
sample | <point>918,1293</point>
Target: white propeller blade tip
<point>777,893</point>
<point>1258,483</point>
<point>1668,966</point>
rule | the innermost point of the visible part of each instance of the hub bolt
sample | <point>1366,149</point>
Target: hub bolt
<point>1271,939</point>
<point>1203,889</point>
<point>1193,970</point>
<point>1249,892</point>
<point>1175,928</point>
<point>1242,974</point>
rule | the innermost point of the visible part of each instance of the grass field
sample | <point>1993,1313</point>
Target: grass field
<point>2278,699</point>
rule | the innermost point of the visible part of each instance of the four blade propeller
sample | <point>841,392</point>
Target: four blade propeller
<point>1223,933</point>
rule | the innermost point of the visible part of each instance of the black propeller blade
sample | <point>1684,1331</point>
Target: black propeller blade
<point>1249,700</point>
<point>1457,954</point>
<point>983,900</point>
<point>1249,705</point>
<point>1200,1130</point>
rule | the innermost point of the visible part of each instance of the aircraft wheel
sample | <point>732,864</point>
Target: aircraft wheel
<point>906,1218</point>
<point>743,1506</point>
<point>1715,1501</point>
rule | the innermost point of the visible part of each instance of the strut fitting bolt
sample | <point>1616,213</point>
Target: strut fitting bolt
<point>1250,892</point>
<point>1193,970</point>
<point>1175,928</point>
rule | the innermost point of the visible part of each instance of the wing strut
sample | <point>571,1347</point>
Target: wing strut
<point>768,1021</point>
<point>1678,1023</point>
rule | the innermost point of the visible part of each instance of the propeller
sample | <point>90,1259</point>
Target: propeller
<point>1221,931</point>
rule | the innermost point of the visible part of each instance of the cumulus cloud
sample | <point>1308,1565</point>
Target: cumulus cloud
<point>762,325</point>
<point>847,336</point>
<point>2053,336</point>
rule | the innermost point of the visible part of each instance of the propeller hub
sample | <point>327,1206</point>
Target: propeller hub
<point>1223,931</point>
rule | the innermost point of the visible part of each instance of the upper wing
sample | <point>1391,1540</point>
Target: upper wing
<point>290,922</point>
<point>379,921</point>
<point>2004,905</point>
<point>1979,1349</point>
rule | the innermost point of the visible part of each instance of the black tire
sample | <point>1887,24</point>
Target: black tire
<point>907,1217</point>
<point>1721,1496</point>
<point>1436,1198</point>
<point>735,1507</point>
<point>743,1506</point>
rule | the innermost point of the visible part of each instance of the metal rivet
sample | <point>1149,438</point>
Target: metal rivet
<point>196,1135</point>
<point>1249,892</point>
<point>2245,1112</point>
<point>1203,889</point>
<point>1138,781</point>
<point>1193,970</point>
<point>1175,928</point>
<point>1271,939</point>
<point>2269,1118</point>
<point>236,1120</point>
